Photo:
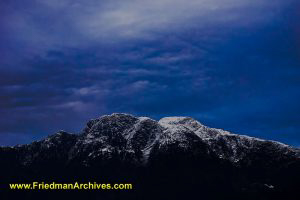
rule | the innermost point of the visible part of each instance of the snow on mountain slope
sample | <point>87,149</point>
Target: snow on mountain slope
<point>223,143</point>
<point>178,155</point>
<point>135,138</point>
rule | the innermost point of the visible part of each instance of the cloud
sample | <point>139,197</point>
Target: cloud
<point>141,19</point>
<point>56,24</point>
<point>227,63</point>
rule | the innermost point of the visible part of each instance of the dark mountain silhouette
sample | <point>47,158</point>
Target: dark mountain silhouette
<point>173,158</point>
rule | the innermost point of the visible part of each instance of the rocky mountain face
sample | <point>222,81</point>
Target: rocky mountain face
<point>173,158</point>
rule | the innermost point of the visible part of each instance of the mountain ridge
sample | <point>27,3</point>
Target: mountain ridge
<point>166,130</point>
<point>122,145</point>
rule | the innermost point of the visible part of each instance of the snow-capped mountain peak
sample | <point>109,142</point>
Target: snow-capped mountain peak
<point>173,146</point>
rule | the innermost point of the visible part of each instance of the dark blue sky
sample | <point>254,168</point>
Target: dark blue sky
<point>231,64</point>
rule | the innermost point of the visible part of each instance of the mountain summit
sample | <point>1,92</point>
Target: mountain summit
<point>175,157</point>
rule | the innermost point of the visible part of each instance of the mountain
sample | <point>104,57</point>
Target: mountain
<point>173,158</point>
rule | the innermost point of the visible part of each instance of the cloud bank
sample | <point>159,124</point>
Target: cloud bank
<point>230,64</point>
